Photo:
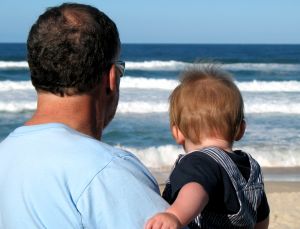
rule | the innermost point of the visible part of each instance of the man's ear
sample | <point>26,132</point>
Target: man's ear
<point>177,135</point>
<point>111,84</point>
<point>241,131</point>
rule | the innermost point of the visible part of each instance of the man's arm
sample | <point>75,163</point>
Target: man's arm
<point>120,196</point>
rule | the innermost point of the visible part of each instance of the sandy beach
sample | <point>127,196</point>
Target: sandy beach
<point>284,201</point>
<point>283,195</point>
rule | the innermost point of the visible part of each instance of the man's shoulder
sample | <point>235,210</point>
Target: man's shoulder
<point>74,159</point>
<point>90,153</point>
<point>62,141</point>
<point>69,153</point>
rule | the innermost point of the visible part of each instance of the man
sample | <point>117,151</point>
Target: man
<point>54,171</point>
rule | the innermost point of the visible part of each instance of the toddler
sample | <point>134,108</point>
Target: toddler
<point>212,185</point>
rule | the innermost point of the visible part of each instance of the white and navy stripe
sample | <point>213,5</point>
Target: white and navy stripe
<point>249,194</point>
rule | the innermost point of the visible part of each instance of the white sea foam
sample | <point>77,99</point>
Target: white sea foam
<point>172,65</point>
<point>157,157</point>
<point>280,107</point>
<point>269,86</point>
<point>169,84</point>
<point>253,86</point>
<point>148,83</point>
<point>262,67</point>
<point>153,65</point>
<point>165,156</point>
<point>17,96</point>
<point>17,106</point>
<point>8,85</point>
<point>142,107</point>
<point>13,64</point>
<point>154,107</point>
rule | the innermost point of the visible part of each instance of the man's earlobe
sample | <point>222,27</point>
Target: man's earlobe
<point>112,78</point>
<point>177,135</point>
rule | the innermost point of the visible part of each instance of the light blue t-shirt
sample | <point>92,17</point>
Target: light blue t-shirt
<point>52,176</point>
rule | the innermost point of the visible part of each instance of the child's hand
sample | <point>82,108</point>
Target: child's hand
<point>163,221</point>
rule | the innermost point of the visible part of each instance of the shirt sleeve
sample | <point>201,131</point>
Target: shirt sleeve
<point>195,167</point>
<point>263,210</point>
<point>123,195</point>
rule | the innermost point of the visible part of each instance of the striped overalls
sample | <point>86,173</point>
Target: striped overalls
<point>249,195</point>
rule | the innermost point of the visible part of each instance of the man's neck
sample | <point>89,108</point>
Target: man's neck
<point>77,112</point>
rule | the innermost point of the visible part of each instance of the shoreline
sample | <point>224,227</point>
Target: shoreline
<point>270,174</point>
<point>282,186</point>
<point>281,174</point>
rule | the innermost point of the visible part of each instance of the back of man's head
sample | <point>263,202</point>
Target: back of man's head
<point>70,47</point>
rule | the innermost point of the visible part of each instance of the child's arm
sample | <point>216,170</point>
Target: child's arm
<point>191,200</point>
<point>263,224</point>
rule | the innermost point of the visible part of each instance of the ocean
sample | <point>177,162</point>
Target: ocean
<point>267,75</point>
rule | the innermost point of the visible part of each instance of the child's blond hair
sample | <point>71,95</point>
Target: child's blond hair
<point>206,103</point>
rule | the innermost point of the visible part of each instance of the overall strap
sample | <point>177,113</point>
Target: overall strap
<point>249,192</point>
<point>226,162</point>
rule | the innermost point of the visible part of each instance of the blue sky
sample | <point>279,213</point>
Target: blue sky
<point>175,21</point>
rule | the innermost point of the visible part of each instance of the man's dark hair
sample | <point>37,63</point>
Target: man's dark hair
<point>70,47</point>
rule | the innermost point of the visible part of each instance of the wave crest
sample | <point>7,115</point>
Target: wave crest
<point>165,156</point>
<point>169,84</point>
<point>173,65</point>
<point>13,65</point>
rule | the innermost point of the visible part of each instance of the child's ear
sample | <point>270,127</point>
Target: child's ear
<point>177,135</point>
<point>241,131</point>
